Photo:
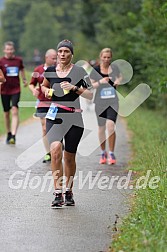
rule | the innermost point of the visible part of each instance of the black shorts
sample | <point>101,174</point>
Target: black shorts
<point>41,112</point>
<point>109,113</point>
<point>9,101</point>
<point>64,129</point>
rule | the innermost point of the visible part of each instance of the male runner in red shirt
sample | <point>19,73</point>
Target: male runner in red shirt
<point>36,80</point>
<point>11,67</point>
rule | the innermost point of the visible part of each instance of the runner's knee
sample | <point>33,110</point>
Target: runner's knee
<point>14,110</point>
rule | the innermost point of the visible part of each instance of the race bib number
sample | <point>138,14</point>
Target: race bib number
<point>52,112</point>
<point>12,71</point>
<point>107,93</point>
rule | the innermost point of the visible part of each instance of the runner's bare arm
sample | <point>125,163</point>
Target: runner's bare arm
<point>22,72</point>
<point>45,87</point>
<point>34,90</point>
<point>2,78</point>
<point>96,84</point>
<point>85,93</point>
<point>118,80</point>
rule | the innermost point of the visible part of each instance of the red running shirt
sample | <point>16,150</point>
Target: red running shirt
<point>37,79</point>
<point>11,68</point>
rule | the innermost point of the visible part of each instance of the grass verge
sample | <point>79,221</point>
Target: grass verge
<point>145,229</point>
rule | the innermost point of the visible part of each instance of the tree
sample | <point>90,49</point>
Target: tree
<point>41,30</point>
<point>12,20</point>
<point>154,53</point>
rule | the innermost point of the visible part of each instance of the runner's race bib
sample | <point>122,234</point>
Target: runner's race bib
<point>52,112</point>
<point>12,71</point>
<point>107,93</point>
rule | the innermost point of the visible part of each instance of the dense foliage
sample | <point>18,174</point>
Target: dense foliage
<point>136,30</point>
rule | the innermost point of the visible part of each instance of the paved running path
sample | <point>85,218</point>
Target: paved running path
<point>27,221</point>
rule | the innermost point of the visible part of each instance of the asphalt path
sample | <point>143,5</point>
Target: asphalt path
<point>26,219</point>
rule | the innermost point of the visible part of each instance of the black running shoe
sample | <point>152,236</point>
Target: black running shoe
<point>8,137</point>
<point>69,201</point>
<point>58,201</point>
<point>12,140</point>
<point>47,158</point>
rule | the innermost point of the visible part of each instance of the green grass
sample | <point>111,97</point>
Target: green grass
<point>145,229</point>
<point>24,113</point>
